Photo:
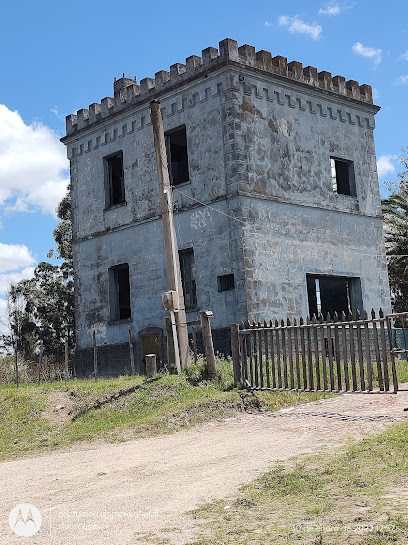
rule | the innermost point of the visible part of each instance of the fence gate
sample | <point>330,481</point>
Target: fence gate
<point>339,353</point>
<point>398,325</point>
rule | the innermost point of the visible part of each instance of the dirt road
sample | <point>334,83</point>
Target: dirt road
<point>140,491</point>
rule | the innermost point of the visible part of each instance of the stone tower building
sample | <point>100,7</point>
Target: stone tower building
<point>276,193</point>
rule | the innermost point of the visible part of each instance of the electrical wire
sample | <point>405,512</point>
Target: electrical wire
<point>244,222</point>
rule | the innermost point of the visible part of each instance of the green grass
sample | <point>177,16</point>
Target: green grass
<point>163,404</point>
<point>400,365</point>
<point>356,497</point>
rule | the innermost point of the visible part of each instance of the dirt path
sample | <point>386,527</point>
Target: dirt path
<point>139,492</point>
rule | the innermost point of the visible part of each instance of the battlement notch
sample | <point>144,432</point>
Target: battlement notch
<point>127,92</point>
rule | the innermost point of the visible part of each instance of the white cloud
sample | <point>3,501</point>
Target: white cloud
<point>268,23</point>
<point>33,165</point>
<point>3,317</point>
<point>404,56</point>
<point>376,94</point>
<point>11,278</point>
<point>402,80</point>
<point>369,52</point>
<point>295,25</point>
<point>57,113</point>
<point>335,8</point>
<point>16,263</point>
<point>332,8</point>
<point>385,165</point>
<point>14,257</point>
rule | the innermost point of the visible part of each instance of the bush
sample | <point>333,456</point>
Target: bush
<point>28,370</point>
<point>8,373</point>
<point>197,372</point>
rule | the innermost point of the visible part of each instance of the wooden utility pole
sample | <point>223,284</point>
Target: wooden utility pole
<point>66,360</point>
<point>205,316</point>
<point>16,363</point>
<point>131,354</point>
<point>95,355</point>
<point>235,354</point>
<point>170,240</point>
<point>40,357</point>
<point>194,338</point>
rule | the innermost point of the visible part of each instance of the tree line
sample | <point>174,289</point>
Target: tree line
<point>40,310</point>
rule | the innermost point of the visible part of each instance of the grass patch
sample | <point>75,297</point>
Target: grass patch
<point>332,376</point>
<point>356,497</point>
<point>30,423</point>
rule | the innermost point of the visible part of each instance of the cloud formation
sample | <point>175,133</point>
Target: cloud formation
<point>14,257</point>
<point>57,113</point>
<point>332,8</point>
<point>3,317</point>
<point>296,25</point>
<point>385,165</point>
<point>33,165</point>
<point>368,52</point>
<point>16,263</point>
<point>13,277</point>
<point>404,56</point>
<point>402,80</point>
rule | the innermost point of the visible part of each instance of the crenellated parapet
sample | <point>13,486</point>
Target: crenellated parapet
<point>128,93</point>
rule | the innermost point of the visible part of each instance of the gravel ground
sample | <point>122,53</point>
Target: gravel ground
<point>140,491</point>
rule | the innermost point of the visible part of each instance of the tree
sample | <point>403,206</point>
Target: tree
<point>19,324</point>
<point>41,309</point>
<point>63,232</point>
<point>395,210</point>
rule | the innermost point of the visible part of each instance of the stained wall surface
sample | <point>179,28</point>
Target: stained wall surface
<point>294,223</point>
<point>259,203</point>
<point>132,233</point>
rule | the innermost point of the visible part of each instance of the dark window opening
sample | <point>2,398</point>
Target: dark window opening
<point>177,157</point>
<point>120,293</point>
<point>342,177</point>
<point>116,186</point>
<point>188,278</point>
<point>226,282</point>
<point>330,294</point>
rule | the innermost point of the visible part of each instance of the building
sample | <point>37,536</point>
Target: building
<point>275,188</point>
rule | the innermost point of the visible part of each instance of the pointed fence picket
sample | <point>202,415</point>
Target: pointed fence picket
<point>331,353</point>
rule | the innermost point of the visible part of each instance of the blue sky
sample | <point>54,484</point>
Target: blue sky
<point>57,57</point>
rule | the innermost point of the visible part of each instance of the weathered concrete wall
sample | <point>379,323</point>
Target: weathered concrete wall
<point>132,134</point>
<point>142,247</point>
<point>284,242</point>
<point>295,223</point>
<point>260,138</point>
<point>290,135</point>
<point>132,233</point>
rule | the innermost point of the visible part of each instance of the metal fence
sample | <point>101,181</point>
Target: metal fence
<point>336,353</point>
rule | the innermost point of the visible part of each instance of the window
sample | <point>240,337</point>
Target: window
<point>176,143</point>
<point>226,282</point>
<point>188,278</point>
<point>115,187</point>
<point>330,294</point>
<point>342,174</point>
<point>119,292</point>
